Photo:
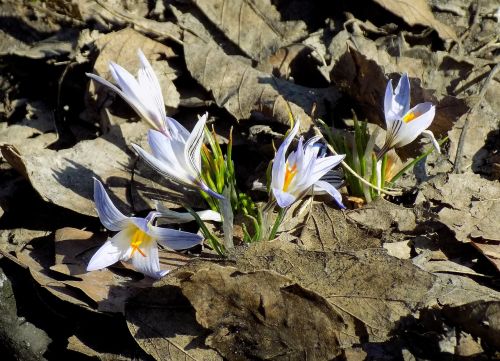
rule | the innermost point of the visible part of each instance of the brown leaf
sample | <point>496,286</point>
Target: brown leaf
<point>491,250</point>
<point>178,336</point>
<point>245,91</point>
<point>255,26</point>
<point>471,205</point>
<point>65,177</point>
<point>361,285</point>
<point>418,12</point>
<point>262,315</point>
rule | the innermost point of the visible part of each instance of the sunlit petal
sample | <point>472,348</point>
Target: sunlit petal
<point>279,163</point>
<point>283,199</point>
<point>110,216</point>
<point>112,251</point>
<point>331,190</point>
<point>147,261</point>
<point>428,134</point>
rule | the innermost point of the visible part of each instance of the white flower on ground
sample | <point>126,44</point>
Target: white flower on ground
<point>142,94</point>
<point>178,156</point>
<point>295,175</point>
<point>136,240</point>
<point>404,125</point>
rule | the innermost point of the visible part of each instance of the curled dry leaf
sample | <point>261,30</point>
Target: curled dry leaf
<point>255,26</point>
<point>418,12</point>
<point>245,91</point>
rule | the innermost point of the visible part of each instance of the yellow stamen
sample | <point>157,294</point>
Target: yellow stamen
<point>139,237</point>
<point>411,116</point>
<point>289,175</point>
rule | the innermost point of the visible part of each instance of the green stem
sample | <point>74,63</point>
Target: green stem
<point>277,222</point>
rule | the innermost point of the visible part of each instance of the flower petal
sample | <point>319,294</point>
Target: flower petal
<point>112,251</point>
<point>279,163</point>
<point>323,165</point>
<point>408,132</point>
<point>192,151</point>
<point>170,216</point>
<point>173,238</point>
<point>207,189</point>
<point>110,216</point>
<point>402,94</point>
<point>331,190</point>
<point>149,84</point>
<point>177,175</point>
<point>283,199</point>
<point>147,261</point>
<point>430,135</point>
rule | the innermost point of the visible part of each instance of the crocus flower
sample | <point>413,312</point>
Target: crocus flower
<point>142,94</point>
<point>295,175</point>
<point>404,125</point>
<point>136,239</point>
<point>178,156</point>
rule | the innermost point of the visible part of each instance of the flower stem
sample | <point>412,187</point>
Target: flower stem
<point>277,222</point>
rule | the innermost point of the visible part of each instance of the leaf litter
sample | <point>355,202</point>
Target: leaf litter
<point>367,277</point>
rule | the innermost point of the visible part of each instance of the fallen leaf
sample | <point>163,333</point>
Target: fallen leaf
<point>490,249</point>
<point>245,91</point>
<point>65,177</point>
<point>262,315</point>
<point>255,26</point>
<point>361,285</point>
<point>418,12</point>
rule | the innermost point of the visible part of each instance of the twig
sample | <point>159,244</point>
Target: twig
<point>461,140</point>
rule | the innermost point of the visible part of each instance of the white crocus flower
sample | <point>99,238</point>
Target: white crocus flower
<point>295,175</point>
<point>142,94</point>
<point>404,125</point>
<point>178,156</point>
<point>136,240</point>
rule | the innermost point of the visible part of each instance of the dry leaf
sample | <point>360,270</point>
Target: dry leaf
<point>255,26</point>
<point>262,315</point>
<point>491,251</point>
<point>245,91</point>
<point>418,12</point>
<point>178,336</point>
<point>65,177</point>
<point>361,285</point>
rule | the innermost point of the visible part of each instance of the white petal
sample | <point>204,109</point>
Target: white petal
<point>192,151</point>
<point>323,165</point>
<point>408,132</point>
<point>130,99</point>
<point>177,130</point>
<point>402,94</point>
<point>173,238</point>
<point>207,189</point>
<point>110,216</point>
<point>162,148</point>
<point>388,100</point>
<point>428,134</point>
<point>279,163</point>
<point>149,83</point>
<point>112,251</point>
<point>169,216</point>
<point>148,263</point>
<point>283,199</point>
<point>331,190</point>
<point>177,175</point>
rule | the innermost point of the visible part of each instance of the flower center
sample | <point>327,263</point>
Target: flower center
<point>289,175</point>
<point>411,116</point>
<point>139,237</point>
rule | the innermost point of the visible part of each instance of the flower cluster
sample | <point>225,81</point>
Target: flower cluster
<point>182,157</point>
